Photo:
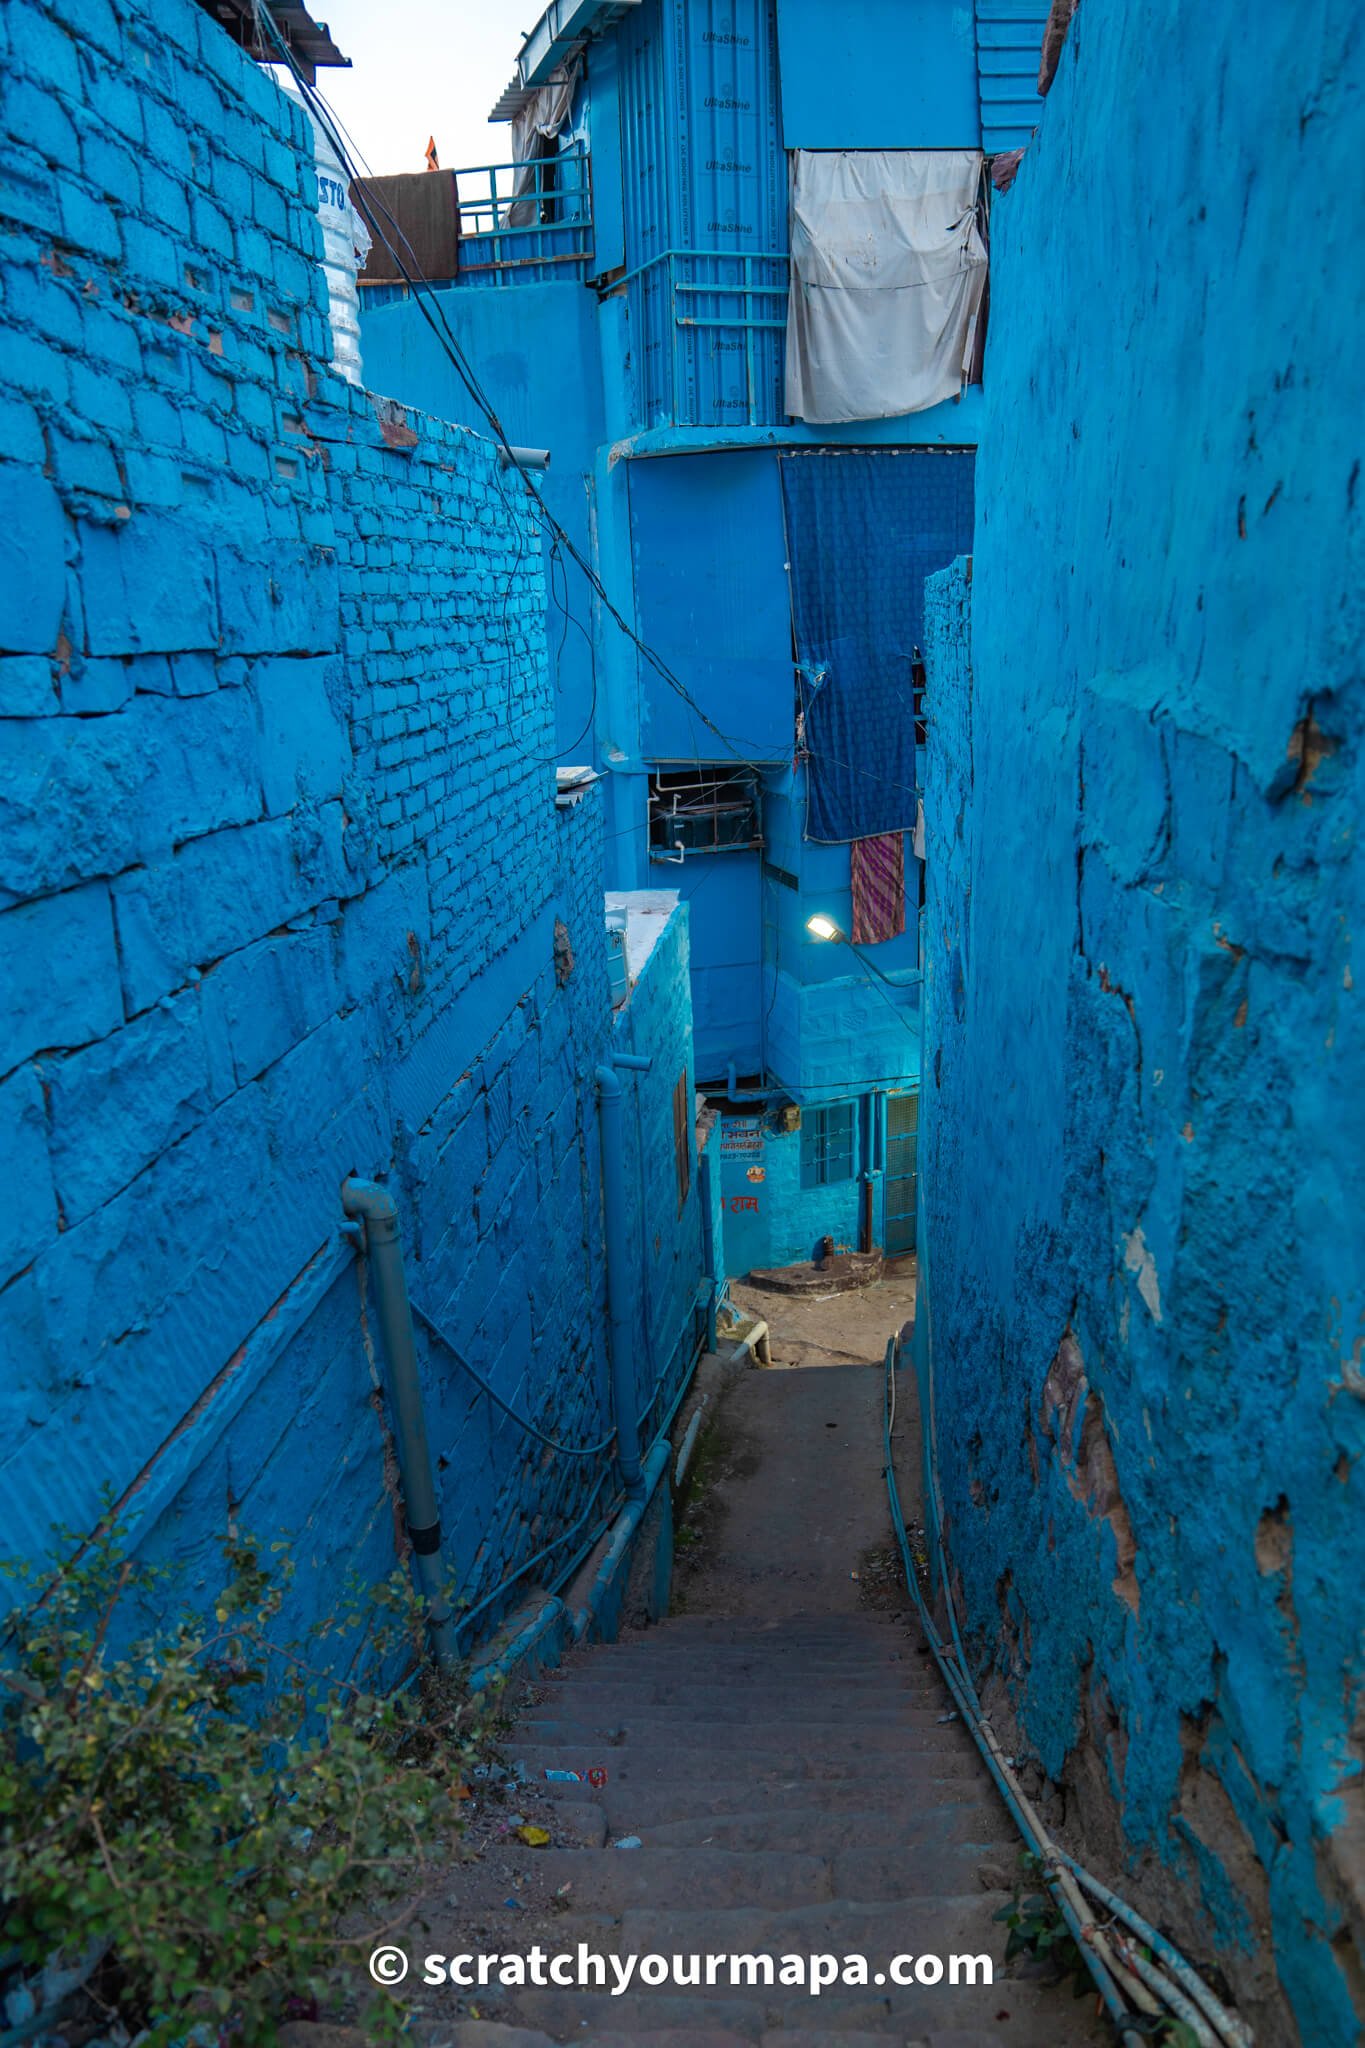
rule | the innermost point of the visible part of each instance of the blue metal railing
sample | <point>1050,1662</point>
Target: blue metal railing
<point>525,222</point>
<point>709,327</point>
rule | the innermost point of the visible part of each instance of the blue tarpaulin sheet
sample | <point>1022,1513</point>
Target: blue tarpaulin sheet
<point>864,529</point>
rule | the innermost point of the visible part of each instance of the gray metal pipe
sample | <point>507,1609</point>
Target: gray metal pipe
<point>374,1207</point>
<point>523,458</point>
<point>615,1217</point>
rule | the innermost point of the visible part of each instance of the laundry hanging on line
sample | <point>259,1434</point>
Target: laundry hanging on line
<point>878,875</point>
<point>888,268</point>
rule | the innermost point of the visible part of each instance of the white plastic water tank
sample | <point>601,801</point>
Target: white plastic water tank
<point>618,963</point>
<point>345,245</point>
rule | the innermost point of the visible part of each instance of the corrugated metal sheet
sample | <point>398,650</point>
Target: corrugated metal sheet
<point>704,163</point>
<point>706,208</point>
<point>1009,41</point>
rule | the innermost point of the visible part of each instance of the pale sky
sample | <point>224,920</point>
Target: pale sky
<point>424,67</point>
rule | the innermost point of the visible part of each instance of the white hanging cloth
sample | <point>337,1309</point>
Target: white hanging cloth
<point>542,119</point>
<point>887,273</point>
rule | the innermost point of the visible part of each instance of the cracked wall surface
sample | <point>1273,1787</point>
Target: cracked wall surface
<point>284,890</point>
<point>1144,1054</point>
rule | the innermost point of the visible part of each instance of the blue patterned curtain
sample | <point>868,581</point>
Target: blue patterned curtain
<point>864,529</point>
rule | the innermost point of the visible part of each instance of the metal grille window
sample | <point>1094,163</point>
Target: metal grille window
<point>826,1144</point>
<point>902,1167</point>
<point>702,810</point>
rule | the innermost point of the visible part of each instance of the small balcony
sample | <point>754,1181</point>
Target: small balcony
<point>710,325</point>
<point>525,223</point>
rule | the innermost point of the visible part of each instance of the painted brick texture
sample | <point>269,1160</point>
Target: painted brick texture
<point>665,1223</point>
<point>280,865</point>
<point>1144,1040</point>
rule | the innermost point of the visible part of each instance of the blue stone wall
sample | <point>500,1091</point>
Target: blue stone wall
<point>775,1221</point>
<point>665,1223</point>
<point>284,891</point>
<point>1144,1052</point>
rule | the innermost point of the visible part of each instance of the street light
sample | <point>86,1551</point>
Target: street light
<point>822,927</point>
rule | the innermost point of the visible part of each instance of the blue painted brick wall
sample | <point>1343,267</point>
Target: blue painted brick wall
<point>1144,1056</point>
<point>665,1227</point>
<point>281,872</point>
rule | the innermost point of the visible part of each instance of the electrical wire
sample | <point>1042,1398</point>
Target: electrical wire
<point>571,617</point>
<point>1121,1981</point>
<point>564,1450</point>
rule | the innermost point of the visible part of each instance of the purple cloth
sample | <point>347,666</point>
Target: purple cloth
<point>878,868</point>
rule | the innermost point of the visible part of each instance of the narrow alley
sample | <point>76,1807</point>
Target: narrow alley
<point>784,1773</point>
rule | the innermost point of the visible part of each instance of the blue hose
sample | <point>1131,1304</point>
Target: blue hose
<point>960,1686</point>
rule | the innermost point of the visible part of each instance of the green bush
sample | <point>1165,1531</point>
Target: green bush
<point>200,1806</point>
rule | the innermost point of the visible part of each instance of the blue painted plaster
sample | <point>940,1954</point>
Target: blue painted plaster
<point>1144,1041</point>
<point>845,85</point>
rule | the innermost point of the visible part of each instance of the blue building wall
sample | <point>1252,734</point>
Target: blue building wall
<point>845,84</point>
<point>1144,1051</point>
<point>666,1224</point>
<point>726,957</point>
<point>689,108</point>
<point>1009,39</point>
<point>286,893</point>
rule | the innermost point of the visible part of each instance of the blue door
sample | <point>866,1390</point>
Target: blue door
<point>902,1148</point>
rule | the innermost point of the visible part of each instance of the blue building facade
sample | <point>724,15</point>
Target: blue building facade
<point>761,559</point>
<point>289,893</point>
<point>1141,1277</point>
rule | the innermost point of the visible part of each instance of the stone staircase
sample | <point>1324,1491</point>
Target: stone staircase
<point>797,1789</point>
<point>788,1759</point>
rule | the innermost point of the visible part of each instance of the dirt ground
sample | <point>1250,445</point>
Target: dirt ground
<point>833,1329</point>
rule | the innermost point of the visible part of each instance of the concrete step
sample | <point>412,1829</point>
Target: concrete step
<point>1011,2012</point>
<point>870,1640</point>
<point>643,1688</point>
<point>908,1798</point>
<point>493,2034</point>
<point>743,1638</point>
<point>676,2037</point>
<point>664,1762</point>
<point>819,2037</point>
<point>872,1652</point>
<point>819,1832</point>
<point>615,1880</point>
<point>956,1923</point>
<point>832,1742</point>
<point>604,1707</point>
<point>808,1621</point>
<point>619,1880</point>
<point>654,2016</point>
<point>782,1671</point>
<point>591,2016</point>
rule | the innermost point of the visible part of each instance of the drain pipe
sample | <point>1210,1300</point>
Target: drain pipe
<point>733,1091</point>
<point>374,1209</point>
<point>615,1216</point>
